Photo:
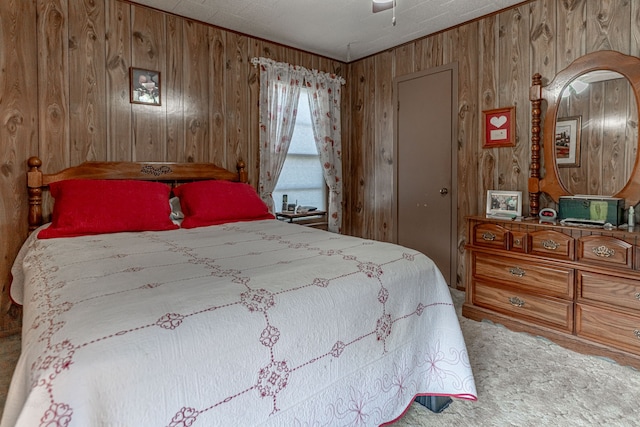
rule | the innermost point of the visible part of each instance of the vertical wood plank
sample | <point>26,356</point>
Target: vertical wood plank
<point>118,60</point>
<point>595,136</point>
<point>514,73</point>
<point>196,108</point>
<point>544,46</point>
<point>359,139</point>
<point>404,60</point>
<point>173,90</point>
<point>612,176</point>
<point>369,118</point>
<point>53,84</point>
<point>488,94</point>
<point>384,139</point>
<point>217,99</point>
<point>347,142</point>
<point>254,50</point>
<point>87,100</point>
<point>428,52</point>
<point>148,51</point>
<point>571,21</point>
<point>236,94</point>
<point>542,16</point>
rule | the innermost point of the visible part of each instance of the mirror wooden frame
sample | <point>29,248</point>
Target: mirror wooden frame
<point>629,67</point>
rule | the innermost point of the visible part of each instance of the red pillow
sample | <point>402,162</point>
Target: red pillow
<point>107,206</point>
<point>218,202</point>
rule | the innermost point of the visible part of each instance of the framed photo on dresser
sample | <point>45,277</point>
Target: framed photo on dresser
<point>504,204</point>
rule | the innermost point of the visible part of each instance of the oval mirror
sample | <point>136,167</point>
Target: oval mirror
<point>589,135</point>
<point>595,137</point>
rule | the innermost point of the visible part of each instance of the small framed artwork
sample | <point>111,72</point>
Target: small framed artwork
<point>567,143</point>
<point>504,204</point>
<point>145,86</point>
<point>499,127</point>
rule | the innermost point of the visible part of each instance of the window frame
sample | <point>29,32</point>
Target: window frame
<point>304,97</point>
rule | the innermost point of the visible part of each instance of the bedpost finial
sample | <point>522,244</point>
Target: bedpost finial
<point>242,171</point>
<point>34,162</point>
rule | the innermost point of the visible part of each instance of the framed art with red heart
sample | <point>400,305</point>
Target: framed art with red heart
<point>499,127</point>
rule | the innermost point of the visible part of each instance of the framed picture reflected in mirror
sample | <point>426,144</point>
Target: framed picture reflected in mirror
<point>567,141</point>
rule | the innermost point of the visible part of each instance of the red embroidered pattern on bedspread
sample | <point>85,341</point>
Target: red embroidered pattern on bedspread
<point>236,313</point>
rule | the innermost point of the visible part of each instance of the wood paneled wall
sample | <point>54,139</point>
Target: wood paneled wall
<point>496,56</point>
<point>18,136</point>
<point>64,79</point>
<point>65,96</point>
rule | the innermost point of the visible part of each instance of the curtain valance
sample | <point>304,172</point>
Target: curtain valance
<point>313,75</point>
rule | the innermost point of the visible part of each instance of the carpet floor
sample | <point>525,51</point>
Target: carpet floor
<point>521,380</point>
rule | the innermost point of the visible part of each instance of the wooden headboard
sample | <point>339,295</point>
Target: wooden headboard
<point>148,171</point>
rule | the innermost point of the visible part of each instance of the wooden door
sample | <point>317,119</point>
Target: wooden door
<point>425,145</point>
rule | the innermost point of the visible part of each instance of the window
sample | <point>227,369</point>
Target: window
<point>301,178</point>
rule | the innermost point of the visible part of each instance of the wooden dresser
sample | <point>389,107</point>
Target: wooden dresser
<point>579,287</point>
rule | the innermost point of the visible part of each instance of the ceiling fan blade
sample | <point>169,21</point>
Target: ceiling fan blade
<point>380,5</point>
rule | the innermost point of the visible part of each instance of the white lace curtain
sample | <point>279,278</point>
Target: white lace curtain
<point>279,92</point>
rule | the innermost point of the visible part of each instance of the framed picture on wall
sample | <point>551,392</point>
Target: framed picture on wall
<point>567,142</point>
<point>499,127</point>
<point>504,204</point>
<point>145,86</point>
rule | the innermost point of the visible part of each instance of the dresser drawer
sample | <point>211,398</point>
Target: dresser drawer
<point>609,289</point>
<point>605,250</point>
<point>518,241</point>
<point>608,327</point>
<point>491,235</point>
<point>551,312</point>
<point>549,243</point>
<point>535,277</point>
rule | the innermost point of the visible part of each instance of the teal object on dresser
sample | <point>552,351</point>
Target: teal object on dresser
<point>588,208</point>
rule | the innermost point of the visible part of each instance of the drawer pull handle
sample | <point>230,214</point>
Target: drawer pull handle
<point>550,245</point>
<point>487,235</point>
<point>636,333</point>
<point>604,252</point>
<point>517,302</point>
<point>517,271</point>
<point>638,296</point>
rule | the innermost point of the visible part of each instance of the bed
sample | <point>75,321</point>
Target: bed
<point>232,318</point>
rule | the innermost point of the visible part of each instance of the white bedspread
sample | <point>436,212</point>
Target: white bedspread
<point>257,323</point>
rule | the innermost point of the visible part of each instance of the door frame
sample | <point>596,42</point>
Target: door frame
<point>453,191</point>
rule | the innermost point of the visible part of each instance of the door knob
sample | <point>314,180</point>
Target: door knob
<point>444,191</point>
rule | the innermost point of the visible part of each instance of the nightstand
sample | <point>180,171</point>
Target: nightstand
<point>316,219</point>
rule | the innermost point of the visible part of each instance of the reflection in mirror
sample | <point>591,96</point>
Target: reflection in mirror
<point>595,137</point>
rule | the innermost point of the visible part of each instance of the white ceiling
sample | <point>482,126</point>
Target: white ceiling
<point>345,30</point>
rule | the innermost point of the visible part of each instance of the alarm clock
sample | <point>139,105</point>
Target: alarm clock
<point>548,214</point>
